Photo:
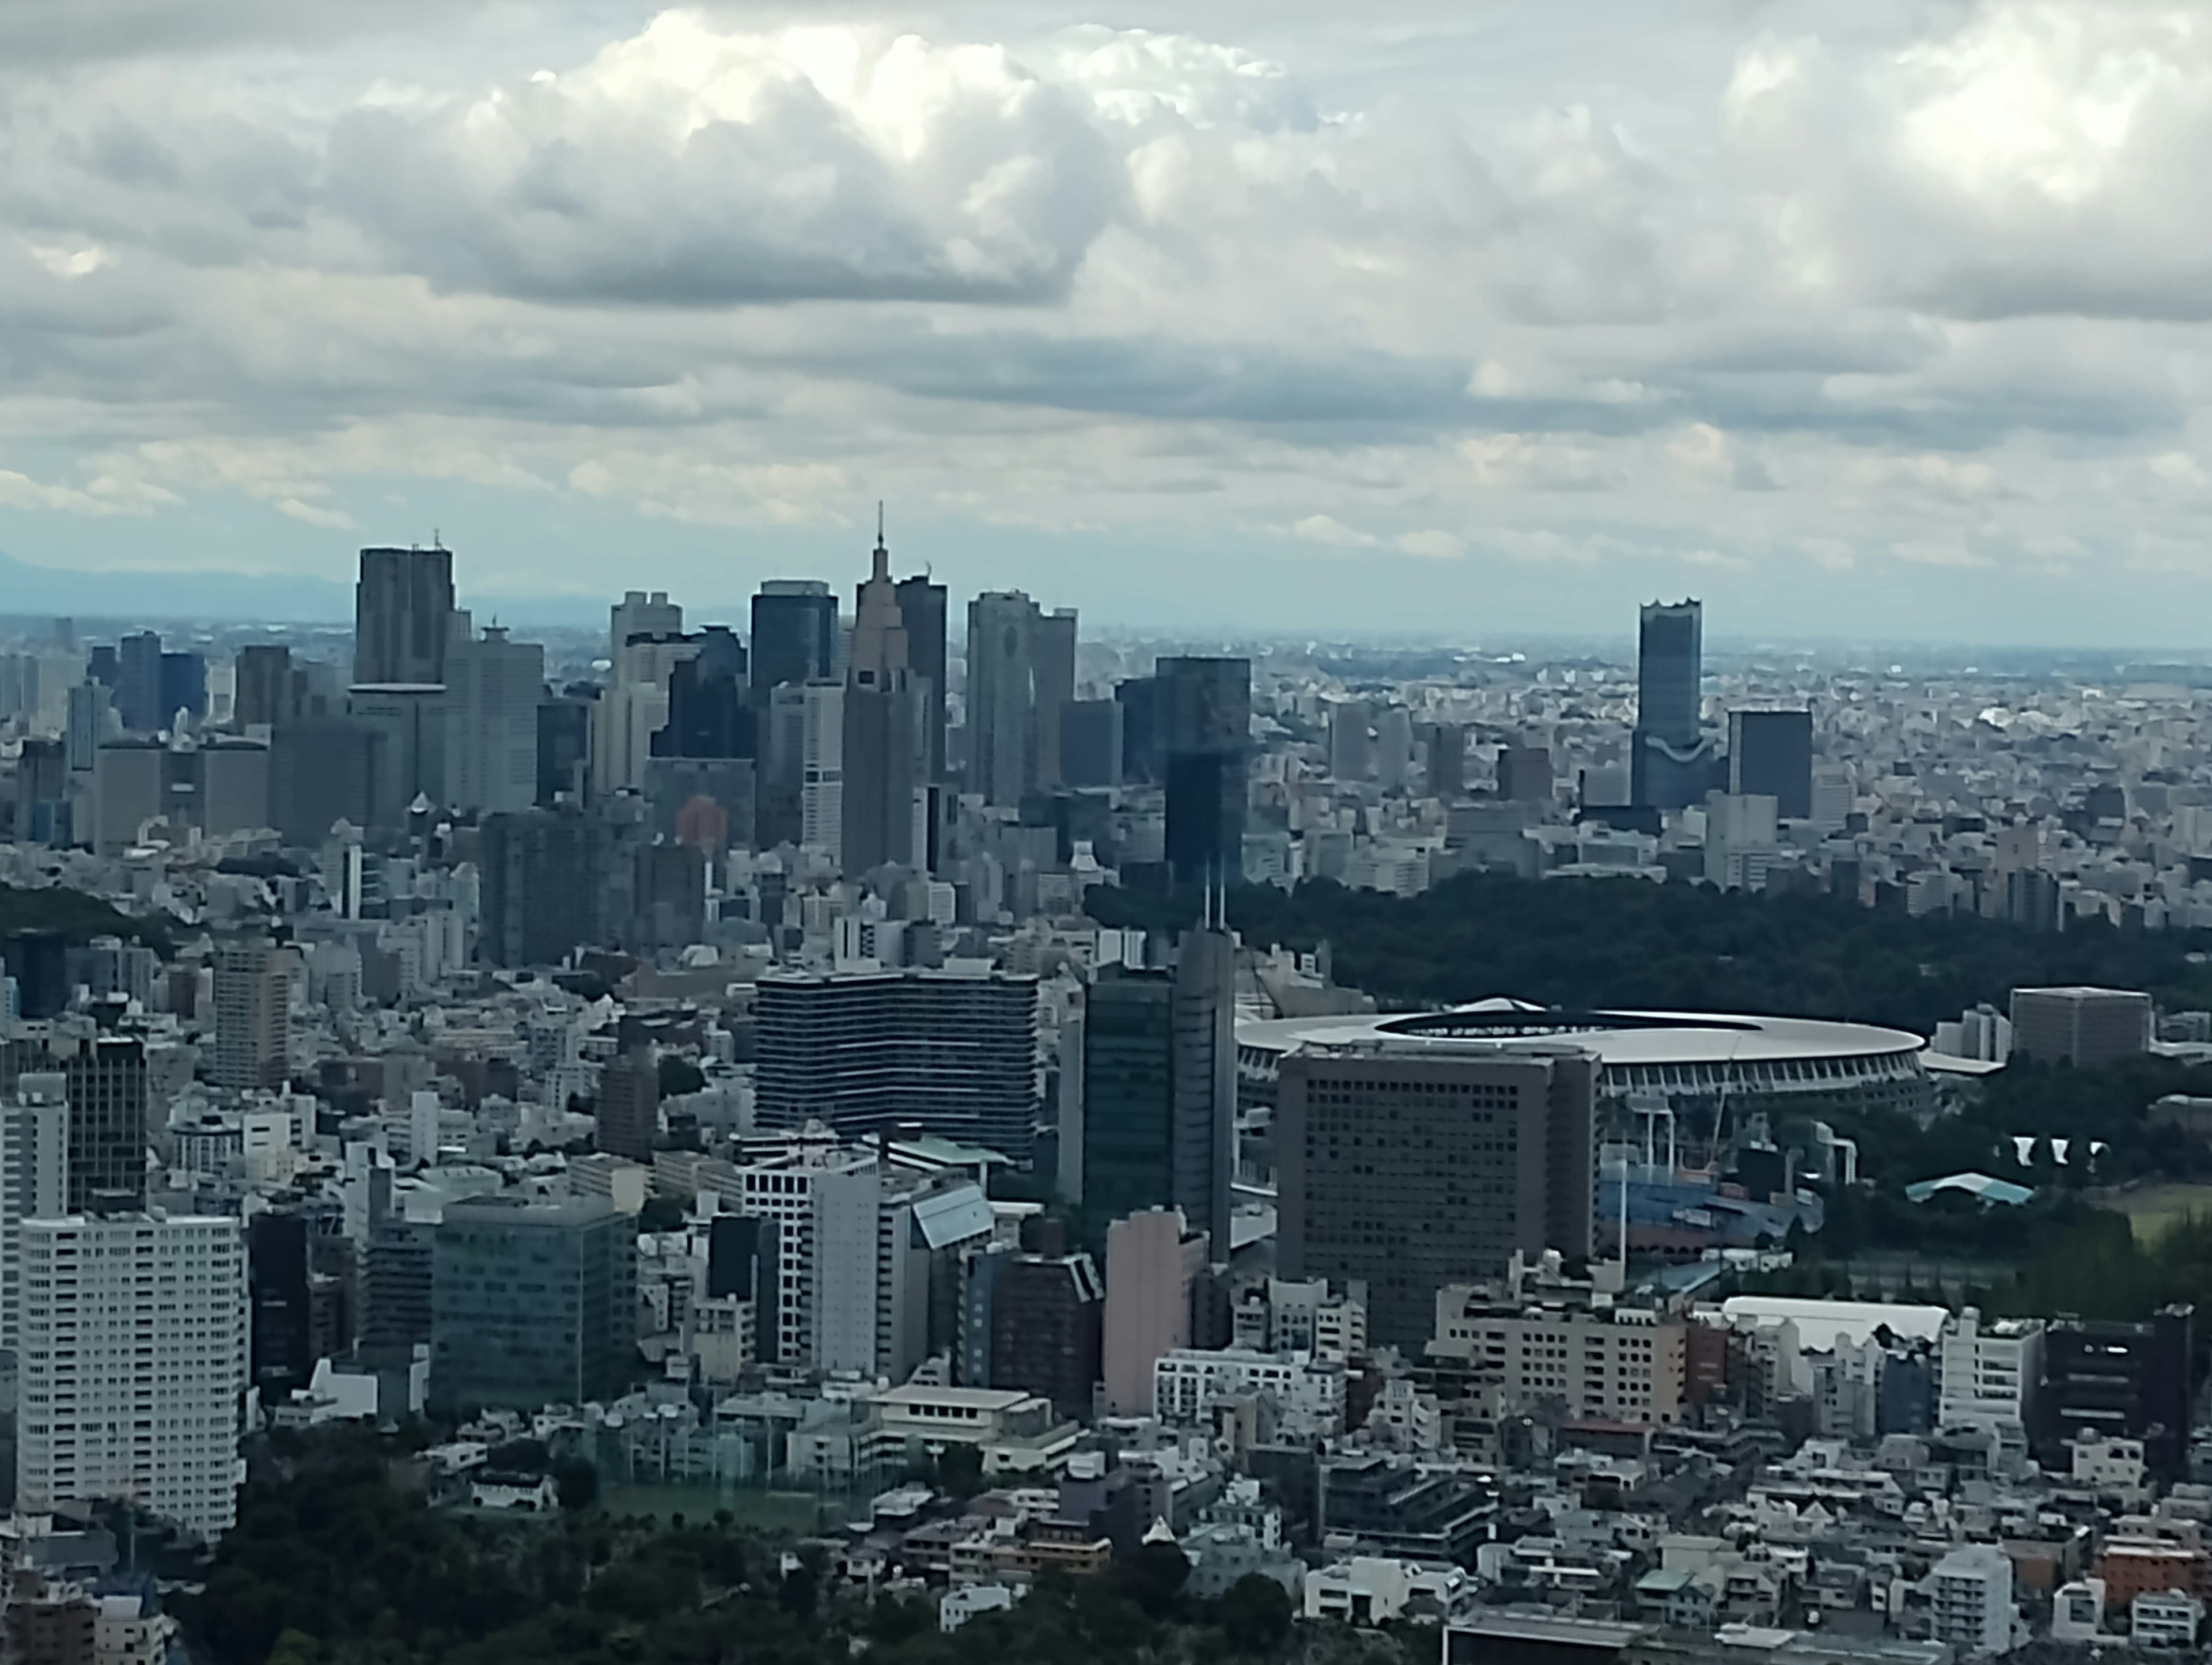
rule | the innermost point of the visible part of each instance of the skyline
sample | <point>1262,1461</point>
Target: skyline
<point>1872,324</point>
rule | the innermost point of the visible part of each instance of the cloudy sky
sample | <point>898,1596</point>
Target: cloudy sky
<point>1459,316</point>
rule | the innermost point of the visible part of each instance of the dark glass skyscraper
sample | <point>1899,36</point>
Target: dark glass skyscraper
<point>1771,752</point>
<point>1202,723</point>
<point>921,604</point>
<point>403,609</point>
<point>1671,757</point>
<point>794,633</point>
<point>708,713</point>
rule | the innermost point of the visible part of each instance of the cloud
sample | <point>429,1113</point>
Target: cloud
<point>1325,529</point>
<point>1431,545</point>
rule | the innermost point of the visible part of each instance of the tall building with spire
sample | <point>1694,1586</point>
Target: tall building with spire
<point>885,757</point>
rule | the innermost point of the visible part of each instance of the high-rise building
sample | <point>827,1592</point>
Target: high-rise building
<point>252,1013</point>
<point>867,1052</point>
<point>39,962</point>
<point>794,633</point>
<point>533,1303</point>
<point>1672,754</point>
<point>629,1105</point>
<point>281,1351</point>
<point>1159,1086</point>
<point>564,746</point>
<point>1525,773</point>
<point>1770,753</point>
<point>1144,756</point>
<point>1091,743</point>
<point>885,752</point>
<point>1154,1264</point>
<point>1051,667</point>
<point>85,725</point>
<point>1202,714</point>
<point>264,690</point>
<point>1351,749</point>
<point>543,876</point>
<point>1444,746</point>
<point>641,614</point>
<point>33,1181</point>
<point>921,604</point>
<point>133,1364</point>
<point>104,1078</point>
<point>1003,632</point>
<point>182,687</point>
<point>887,1243</point>
<point>401,606</point>
<point>709,709</point>
<point>2135,1381</point>
<point>493,688</point>
<point>138,683</point>
<point>1409,1167</point>
<point>822,771</point>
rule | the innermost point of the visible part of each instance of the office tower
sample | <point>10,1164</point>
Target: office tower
<point>2133,1381</point>
<point>1002,642</point>
<point>104,1078</point>
<point>1524,773</point>
<point>33,1181</point>
<point>397,1268</point>
<point>629,1105</point>
<point>493,687</point>
<point>1144,757</point>
<point>1159,1086</point>
<point>406,729</point>
<point>86,724</point>
<point>884,753</point>
<point>794,633</point>
<point>1393,748</point>
<point>138,683</point>
<point>1052,663</point>
<point>252,1013</point>
<point>1154,1263</point>
<point>320,771</point>
<point>281,1330</point>
<point>564,746</point>
<point>1770,753</point>
<point>2082,1026</point>
<point>233,786</point>
<point>1350,751</point>
<point>262,691</point>
<point>1411,1166</point>
<point>822,772</point>
<point>531,1304</point>
<point>638,614</point>
<point>1091,743</point>
<point>545,877</point>
<point>709,711</point>
<point>1203,712</point>
<point>133,1364</point>
<point>887,1243</point>
<point>400,608</point>
<point>865,1052</point>
<point>39,962</point>
<point>1048,1328</point>
<point>634,707</point>
<point>182,687</point>
<point>1670,749</point>
<point>1444,750</point>
<point>921,604</point>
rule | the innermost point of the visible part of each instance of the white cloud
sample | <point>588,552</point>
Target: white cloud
<point>1431,544</point>
<point>1326,529</point>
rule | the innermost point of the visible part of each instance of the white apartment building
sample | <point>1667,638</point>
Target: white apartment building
<point>33,1181</point>
<point>1371,1590</point>
<point>1624,1364</point>
<point>133,1364</point>
<point>2164,1619</point>
<point>1309,1395</point>
<point>1971,1600</point>
<point>1990,1371</point>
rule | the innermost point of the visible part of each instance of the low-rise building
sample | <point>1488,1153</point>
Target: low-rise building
<point>1372,1590</point>
<point>2164,1619</point>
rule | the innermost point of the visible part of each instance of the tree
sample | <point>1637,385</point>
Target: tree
<point>1255,1614</point>
<point>1153,1575</point>
<point>578,1483</point>
<point>660,1214</point>
<point>798,1594</point>
<point>679,1076</point>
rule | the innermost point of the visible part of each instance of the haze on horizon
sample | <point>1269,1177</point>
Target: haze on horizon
<point>1883,319</point>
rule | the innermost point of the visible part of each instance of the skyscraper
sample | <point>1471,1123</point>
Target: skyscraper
<point>183,687</point>
<point>134,1363</point>
<point>281,1356</point>
<point>1671,755</point>
<point>401,605</point>
<point>544,874</point>
<point>252,1005</point>
<point>138,683</point>
<point>105,1083</point>
<point>262,687</point>
<point>33,1181</point>
<point>493,687</point>
<point>1414,1165</point>
<point>1002,643</point>
<point>709,711</point>
<point>1771,752</point>
<point>640,614</point>
<point>794,633</point>
<point>921,604</point>
<point>1203,714</point>
<point>885,752</point>
<point>1159,1086</point>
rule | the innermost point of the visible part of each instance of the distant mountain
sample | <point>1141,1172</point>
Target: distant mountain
<point>33,591</point>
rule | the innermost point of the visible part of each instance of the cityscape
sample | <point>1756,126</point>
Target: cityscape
<point>883,833</point>
<point>1019,1103</point>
